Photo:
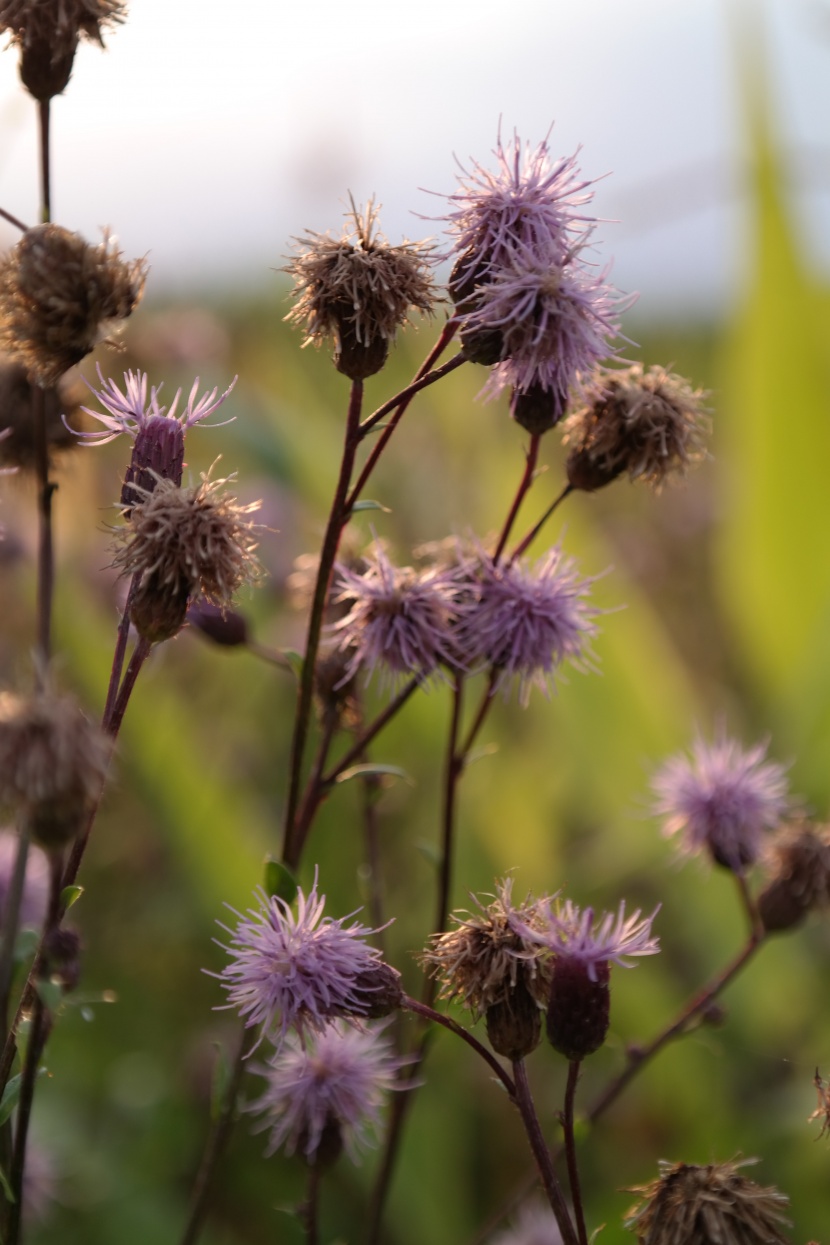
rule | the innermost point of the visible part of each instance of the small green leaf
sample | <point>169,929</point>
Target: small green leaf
<point>367,504</point>
<point>364,771</point>
<point>7,1189</point>
<point>279,882</point>
<point>51,994</point>
<point>429,852</point>
<point>70,895</point>
<point>294,659</point>
<point>220,1081</point>
<point>25,945</point>
<point>10,1096</point>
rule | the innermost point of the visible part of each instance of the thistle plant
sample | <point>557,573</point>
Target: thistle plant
<point>326,1024</point>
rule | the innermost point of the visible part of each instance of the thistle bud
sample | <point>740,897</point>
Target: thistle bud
<point>62,958</point>
<point>798,862</point>
<point>579,1009</point>
<point>514,1024</point>
<point>537,409</point>
<point>377,991</point>
<point>47,34</point>
<point>227,628</point>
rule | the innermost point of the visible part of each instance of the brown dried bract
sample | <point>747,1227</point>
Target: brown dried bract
<point>60,297</point>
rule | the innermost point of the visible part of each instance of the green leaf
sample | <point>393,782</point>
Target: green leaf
<point>11,1094</point>
<point>25,945</point>
<point>278,881</point>
<point>70,895</point>
<point>51,994</point>
<point>368,770</point>
<point>294,659</point>
<point>367,504</point>
<point>7,1189</point>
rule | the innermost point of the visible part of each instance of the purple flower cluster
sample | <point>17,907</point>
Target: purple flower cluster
<point>572,934</point>
<point>528,300</point>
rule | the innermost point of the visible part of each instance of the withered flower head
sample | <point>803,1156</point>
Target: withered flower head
<point>644,424</point>
<point>358,291</point>
<point>690,1205</point>
<point>797,862</point>
<point>17,427</point>
<point>53,762</point>
<point>485,959</point>
<point>185,543</point>
<point>47,33</point>
<point>60,297</point>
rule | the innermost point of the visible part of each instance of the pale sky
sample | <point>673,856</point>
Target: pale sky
<point>208,134</point>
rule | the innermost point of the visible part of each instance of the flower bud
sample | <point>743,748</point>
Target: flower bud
<point>62,958</point>
<point>514,1024</point>
<point>537,409</point>
<point>579,1009</point>
<point>227,628</point>
<point>377,991</point>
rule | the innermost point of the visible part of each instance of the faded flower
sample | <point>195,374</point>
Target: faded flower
<point>303,970</point>
<point>17,426</point>
<point>722,799</point>
<point>358,291</point>
<point>60,297</point>
<point>184,544</point>
<point>47,34</point>
<point>797,863</point>
<point>53,762</point>
<point>327,1093</point>
<point>643,424</point>
<point>690,1205</point>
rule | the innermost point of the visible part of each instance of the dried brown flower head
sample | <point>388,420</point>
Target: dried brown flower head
<point>60,297</point>
<point>185,543</point>
<point>53,762</point>
<point>797,863</point>
<point>690,1205</point>
<point>358,291</point>
<point>47,33</point>
<point>644,424</point>
<point>17,429</point>
<point>484,959</point>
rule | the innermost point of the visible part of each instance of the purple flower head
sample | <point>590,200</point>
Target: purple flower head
<point>400,619</point>
<point>298,970</point>
<point>530,201</point>
<point>553,320</point>
<point>157,432</point>
<point>526,621</point>
<point>337,1083</point>
<point>571,933</point>
<point>722,798</point>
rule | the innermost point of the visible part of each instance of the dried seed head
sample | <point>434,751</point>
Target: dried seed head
<point>644,424</point>
<point>185,543</point>
<point>690,1205</point>
<point>60,297</point>
<point>61,963</point>
<point>47,33</point>
<point>514,1025</point>
<point>17,428</point>
<point>798,865</point>
<point>53,762</point>
<point>485,960</point>
<point>358,291</point>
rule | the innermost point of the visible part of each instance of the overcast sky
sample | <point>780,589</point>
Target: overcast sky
<point>207,134</point>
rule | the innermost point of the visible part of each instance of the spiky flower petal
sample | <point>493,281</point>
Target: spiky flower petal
<point>60,297</point>
<point>300,970</point>
<point>722,799</point>
<point>327,1092</point>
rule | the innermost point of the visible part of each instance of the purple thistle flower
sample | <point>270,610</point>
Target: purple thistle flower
<point>554,320</point>
<point>400,619</point>
<point>337,1084</point>
<point>299,970</point>
<point>722,798</point>
<point>529,202</point>
<point>571,933</point>
<point>526,621</point>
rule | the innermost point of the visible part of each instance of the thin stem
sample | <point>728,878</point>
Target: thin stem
<point>13,220</point>
<point>534,531</point>
<point>119,654</point>
<point>429,1013</point>
<point>756,925</point>
<point>531,458</point>
<point>370,786</point>
<point>427,374</point>
<point>483,709</point>
<point>453,768</point>
<point>541,1154</point>
<point>365,738</point>
<point>214,1148</point>
<point>338,517</point>
<point>140,654</point>
<point>46,556</point>
<point>570,1150</point>
<point>315,791</point>
<point>311,1206</point>
<point>45,175</point>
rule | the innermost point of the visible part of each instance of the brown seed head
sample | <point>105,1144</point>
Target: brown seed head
<point>358,291</point>
<point>47,33</point>
<point>17,429</point>
<point>798,866</point>
<point>185,543</point>
<point>690,1205</point>
<point>647,425</point>
<point>53,762</point>
<point>483,961</point>
<point>60,297</point>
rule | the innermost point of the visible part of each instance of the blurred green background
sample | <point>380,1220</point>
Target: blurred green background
<point>724,584</point>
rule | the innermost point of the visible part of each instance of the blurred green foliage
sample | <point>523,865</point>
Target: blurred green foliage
<point>718,600</point>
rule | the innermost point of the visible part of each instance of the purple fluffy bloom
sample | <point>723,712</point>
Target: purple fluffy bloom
<point>571,933</point>
<point>526,621</point>
<point>722,798</point>
<point>132,410</point>
<point>530,201</point>
<point>338,1081</point>
<point>298,970</point>
<point>400,619</point>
